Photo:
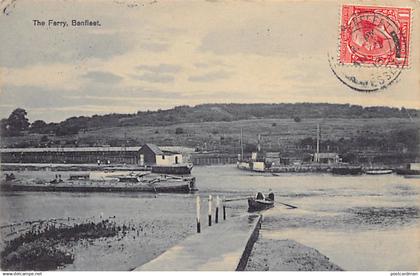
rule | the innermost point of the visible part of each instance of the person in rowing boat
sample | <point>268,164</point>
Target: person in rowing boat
<point>260,196</point>
<point>260,202</point>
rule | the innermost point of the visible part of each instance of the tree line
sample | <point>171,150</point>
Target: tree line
<point>17,122</point>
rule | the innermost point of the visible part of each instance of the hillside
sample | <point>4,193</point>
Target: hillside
<point>235,112</point>
<point>283,127</point>
<point>380,135</point>
<point>213,113</point>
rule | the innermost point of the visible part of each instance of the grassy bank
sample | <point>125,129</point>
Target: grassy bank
<point>48,247</point>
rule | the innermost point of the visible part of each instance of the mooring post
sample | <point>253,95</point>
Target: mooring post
<point>198,214</point>
<point>224,208</point>
<point>217,209</point>
<point>209,210</point>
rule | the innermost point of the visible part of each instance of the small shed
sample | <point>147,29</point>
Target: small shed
<point>169,158</point>
<point>151,154</point>
<point>148,153</point>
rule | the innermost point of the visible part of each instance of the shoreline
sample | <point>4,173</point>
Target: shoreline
<point>266,254</point>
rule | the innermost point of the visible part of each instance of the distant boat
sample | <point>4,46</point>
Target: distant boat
<point>243,165</point>
<point>378,171</point>
<point>407,172</point>
<point>256,163</point>
<point>347,170</point>
<point>409,176</point>
<point>259,202</point>
<point>252,165</point>
<point>79,176</point>
<point>410,169</point>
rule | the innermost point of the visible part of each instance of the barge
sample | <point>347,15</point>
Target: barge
<point>130,183</point>
<point>347,170</point>
<point>173,169</point>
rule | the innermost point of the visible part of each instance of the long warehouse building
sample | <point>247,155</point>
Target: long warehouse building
<point>148,154</point>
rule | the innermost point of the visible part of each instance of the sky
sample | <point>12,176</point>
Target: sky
<point>149,55</point>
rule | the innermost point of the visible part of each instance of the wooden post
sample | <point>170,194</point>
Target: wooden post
<point>217,209</point>
<point>209,210</point>
<point>198,214</point>
<point>224,208</point>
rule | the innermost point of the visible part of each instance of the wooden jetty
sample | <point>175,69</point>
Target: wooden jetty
<point>223,247</point>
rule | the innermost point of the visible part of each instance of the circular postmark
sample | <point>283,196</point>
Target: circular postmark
<point>364,79</point>
<point>373,50</point>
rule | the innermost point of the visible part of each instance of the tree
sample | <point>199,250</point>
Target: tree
<point>66,130</point>
<point>16,123</point>
<point>18,120</point>
<point>307,143</point>
<point>38,126</point>
<point>44,141</point>
<point>3,127</point>
<point>297,119</point>
<point>179,130</point>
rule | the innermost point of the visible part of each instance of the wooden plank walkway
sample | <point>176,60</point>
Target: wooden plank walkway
<point>222,247</point>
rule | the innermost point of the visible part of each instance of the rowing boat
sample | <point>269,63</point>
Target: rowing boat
<point>260,202</point>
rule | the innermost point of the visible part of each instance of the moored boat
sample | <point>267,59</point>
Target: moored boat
<point>407,172</point>
<point>252,165</point>
<point>260,202</point>
<point>155,184</point>
<point>173,169</point>
<point>79,176</point>
<point>378,171</point>
<point>412,176</point>
<point>243,165</point>
<point>409,169</point>
<point>347,170</point>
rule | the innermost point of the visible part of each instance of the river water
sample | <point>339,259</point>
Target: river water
<point>359,222</point>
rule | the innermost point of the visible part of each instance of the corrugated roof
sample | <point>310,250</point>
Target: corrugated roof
<point>154,148</point>
<point>81,149</point>
<point>179,149</point>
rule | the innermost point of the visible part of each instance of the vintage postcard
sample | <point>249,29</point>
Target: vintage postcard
<point>157,135</point>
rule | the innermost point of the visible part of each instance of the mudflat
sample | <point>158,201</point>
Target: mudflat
<point>287,255</point>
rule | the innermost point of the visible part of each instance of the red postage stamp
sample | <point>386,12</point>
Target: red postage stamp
<point>375,35</point>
